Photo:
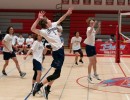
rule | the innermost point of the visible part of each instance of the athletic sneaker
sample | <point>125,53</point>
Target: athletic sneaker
<point>37,87</point>
<point>76,63</point>
<point>96,76</point>
<point>46,92</point>
<point>4,73</point>
<point>89,79</point>
<point>22,74</point>
<point>81,61</point>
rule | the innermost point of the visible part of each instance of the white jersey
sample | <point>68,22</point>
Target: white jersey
<point>8,38</point>
<point>76,43</point>
<point>29,41</point>
<point>37,48</point>
<point>52,36</point>
<point>90,40</point>
<point>20,41</point>
<point>14,40</point>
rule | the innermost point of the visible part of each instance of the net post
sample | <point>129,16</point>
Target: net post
<point>117,58</point>
<point>118,29</point>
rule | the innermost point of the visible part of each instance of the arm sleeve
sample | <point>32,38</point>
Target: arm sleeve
<point>80,39</point>
<point>6,37</point>
<point>55,23</point>
<point>72,40</point>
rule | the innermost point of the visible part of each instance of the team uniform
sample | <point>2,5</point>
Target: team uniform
<point>76,47</point>
<point>37,51</point>
<point>29,42</point>
<point>90,43</point>
<point>9,53</point>
<point>52,36</point>
<point>6,53</point>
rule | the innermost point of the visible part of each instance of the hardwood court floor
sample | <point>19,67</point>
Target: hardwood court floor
<point>72,85</point>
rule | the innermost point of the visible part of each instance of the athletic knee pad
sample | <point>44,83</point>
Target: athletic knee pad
<point>54,76</point>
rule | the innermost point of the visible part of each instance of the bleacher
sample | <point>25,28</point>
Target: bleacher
<point>22,21</point>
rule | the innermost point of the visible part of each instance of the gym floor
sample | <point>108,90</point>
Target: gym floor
<point>73,84</point>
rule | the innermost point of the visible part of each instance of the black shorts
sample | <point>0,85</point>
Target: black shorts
<point>79,50</point>
<point>8,55</point>
<point>90,50</point>
<point>58,58</point>
<point>37,65</point>
<point>28,46</point>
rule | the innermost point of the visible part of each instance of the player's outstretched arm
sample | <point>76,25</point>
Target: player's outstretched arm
<point>33,28</point>
<point>69,12</point>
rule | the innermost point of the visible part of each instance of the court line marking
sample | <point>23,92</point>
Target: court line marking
<point>66,81</point>
<point>114,67</point>
<point>127,97</point>
<point>125,65</point>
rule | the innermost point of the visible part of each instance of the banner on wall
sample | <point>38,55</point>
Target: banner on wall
<point>128,2</point>
<point>75,1</point>
<point>120,2</point>
<point>109,2</point>
<point>65,1</point>
<point>110,48</point>
<point>97,2</point>
<point>86,2</point>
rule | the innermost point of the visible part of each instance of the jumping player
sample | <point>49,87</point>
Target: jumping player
<point>50,33</point>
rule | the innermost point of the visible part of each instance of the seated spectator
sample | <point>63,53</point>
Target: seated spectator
<point>111,39</point>
<point>29,41</point>
<point>20,44</point>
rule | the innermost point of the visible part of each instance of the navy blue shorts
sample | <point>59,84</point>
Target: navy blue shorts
<point>37,65</point>
<point>58,58</point>
<point>90,50</point>
<point>8,55</point>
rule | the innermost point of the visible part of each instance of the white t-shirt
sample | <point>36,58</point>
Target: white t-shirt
<point>52,36</point>
<point>90,40</point>
<point>76,43</point>
<point>37,48</point>
<point>14,40</point>
<point>20,41</point>
<point>29,41</point>
<point>8,38</point>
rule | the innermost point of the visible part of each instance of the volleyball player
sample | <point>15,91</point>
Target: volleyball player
<point>37,51</point>
<point>75,45</point>
<point>50,33</point>
<point>8,51</point>
<point>90,47</point>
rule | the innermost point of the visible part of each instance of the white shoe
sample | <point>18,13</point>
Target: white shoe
<point>89,79</point>
<point>96,77</point>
